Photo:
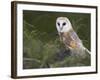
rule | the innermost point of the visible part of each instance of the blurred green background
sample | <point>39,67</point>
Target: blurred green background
<point>41,46</point>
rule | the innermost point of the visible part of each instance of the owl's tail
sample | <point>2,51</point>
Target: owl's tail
<point>84,48</point>
<point>87,50</point>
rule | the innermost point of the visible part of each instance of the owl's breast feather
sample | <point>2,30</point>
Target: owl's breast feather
<point>68,41</point>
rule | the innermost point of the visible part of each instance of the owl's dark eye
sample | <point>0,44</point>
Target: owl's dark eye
<point>58,24</point>
<point>64,24</point>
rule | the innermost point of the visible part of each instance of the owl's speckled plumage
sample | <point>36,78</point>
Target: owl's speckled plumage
<point>68,36</point>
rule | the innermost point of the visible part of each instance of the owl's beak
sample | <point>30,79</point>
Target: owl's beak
<point>61,28</point>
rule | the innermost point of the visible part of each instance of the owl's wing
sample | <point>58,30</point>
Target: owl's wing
<point>74,36</point>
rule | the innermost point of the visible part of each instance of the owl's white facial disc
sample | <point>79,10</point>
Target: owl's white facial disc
<point>63,24</point>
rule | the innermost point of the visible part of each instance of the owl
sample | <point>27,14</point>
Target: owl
<point>69,37</point>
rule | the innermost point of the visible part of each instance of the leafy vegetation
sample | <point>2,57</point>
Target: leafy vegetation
<point>42,48</point>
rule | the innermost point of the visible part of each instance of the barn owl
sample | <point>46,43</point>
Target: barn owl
<point>69,37</point>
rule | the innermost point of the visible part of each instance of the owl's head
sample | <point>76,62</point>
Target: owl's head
<point>63,24</point>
